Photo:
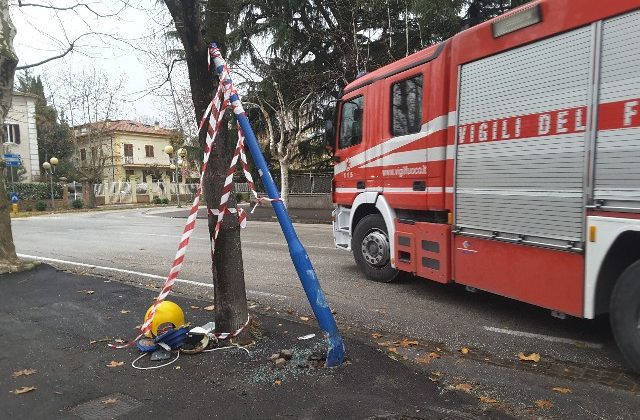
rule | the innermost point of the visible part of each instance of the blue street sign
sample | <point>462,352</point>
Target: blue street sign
<point>14,197</point>
<point>12,159</point>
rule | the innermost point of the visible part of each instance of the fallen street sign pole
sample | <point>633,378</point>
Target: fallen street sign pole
<point>299,256</point>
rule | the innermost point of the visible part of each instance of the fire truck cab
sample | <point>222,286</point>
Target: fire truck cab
<point>507,159</point>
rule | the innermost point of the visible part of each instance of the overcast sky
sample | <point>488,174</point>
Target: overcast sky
<point>115,50</point>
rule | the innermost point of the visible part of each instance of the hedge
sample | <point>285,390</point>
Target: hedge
<point>35,190</point>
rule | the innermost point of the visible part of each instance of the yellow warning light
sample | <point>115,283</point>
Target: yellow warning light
<point>592,233</point>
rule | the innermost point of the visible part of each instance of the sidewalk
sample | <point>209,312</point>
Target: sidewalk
<point>53,324</point>
<point>261,214</point>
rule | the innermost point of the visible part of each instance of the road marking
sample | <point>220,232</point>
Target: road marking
<point>545,337</point>
<point>248,242</point>
<point>138,273</point>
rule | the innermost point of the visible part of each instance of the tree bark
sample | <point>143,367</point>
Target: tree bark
<point>284,182</point>
<point>8,63</point>
<point>196,31</point>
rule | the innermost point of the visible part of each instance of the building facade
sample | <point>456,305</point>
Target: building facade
<point>123,149</point>
<point>20,136</point>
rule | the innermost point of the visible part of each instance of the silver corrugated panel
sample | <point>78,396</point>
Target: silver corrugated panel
<point>617,161</point>
<point>532,187</point>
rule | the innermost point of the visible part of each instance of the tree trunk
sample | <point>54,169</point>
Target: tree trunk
<point>8,63</point>
<point>196,31</point>
<point>90,201</point>
<point>284,182</point>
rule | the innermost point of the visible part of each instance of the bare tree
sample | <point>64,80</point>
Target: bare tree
<point>8,62</point>
<point>287,125</point>
<point>90,100</point>
<point>8,65</point>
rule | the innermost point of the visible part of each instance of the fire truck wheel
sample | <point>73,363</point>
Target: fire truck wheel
<point>371,249</point>
<point>625,314</point>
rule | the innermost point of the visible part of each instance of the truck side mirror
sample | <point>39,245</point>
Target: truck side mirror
<point>329,134</point>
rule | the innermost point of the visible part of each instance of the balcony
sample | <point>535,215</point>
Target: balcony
<point>127,160</point>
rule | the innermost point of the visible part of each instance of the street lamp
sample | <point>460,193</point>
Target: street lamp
<point>168,149</point>
<point>51,168</point>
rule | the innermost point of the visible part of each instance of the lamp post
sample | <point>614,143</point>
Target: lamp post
<point>168,149</point>
<point>51,168</point>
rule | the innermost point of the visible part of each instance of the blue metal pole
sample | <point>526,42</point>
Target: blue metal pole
<point>299,256</point>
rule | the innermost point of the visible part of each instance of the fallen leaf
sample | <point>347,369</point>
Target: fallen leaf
<point>488,400</point>
<point>381,311</point>
<point>393,350</point>
<point>23,372</point>
<point>195,307</point>
<point>533,357</point>
<point>465,350</point>
<point>109,401</point>
<point>209,308</point>
<point>304,318</point>
<point>464,387</point>
<point>562,390</point>
<point>544,404</point>
<point>113,363</point>
<point>277,382</point>
<point>334,312</point>
<point>290,311</point>
<point>124,311</point>
<point>407,343</point>
<point>427,358</point>
<point>88,292</point>
<point>376,335</point>
<point>23,390</point>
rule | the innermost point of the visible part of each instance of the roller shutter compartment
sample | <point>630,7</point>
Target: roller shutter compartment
<point>521,140</point>
<point>617,156</point>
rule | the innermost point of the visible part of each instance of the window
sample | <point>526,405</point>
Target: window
<point>83,154</point>
<point>11,133</point>
<point>129,173</point>
<point>406,106</point>
<point>128,150</point>
<point>94,154</point>
<point>148,150</point>
<point>351,122</point>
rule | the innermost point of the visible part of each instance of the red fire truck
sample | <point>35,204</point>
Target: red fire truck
<point>506,159</point>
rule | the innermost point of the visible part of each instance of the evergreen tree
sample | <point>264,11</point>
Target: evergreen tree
<point>55,137</point>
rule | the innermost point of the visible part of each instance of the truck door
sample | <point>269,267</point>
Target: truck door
<point>403,165</point>
<point>350,176</point>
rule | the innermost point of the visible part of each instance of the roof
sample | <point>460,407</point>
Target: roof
<point>26,94</point>
<point>128,126</point>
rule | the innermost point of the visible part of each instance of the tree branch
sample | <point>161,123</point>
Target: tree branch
<point>72,45</point>
<point>72,7</point>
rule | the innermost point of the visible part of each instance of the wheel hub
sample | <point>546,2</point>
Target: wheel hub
<point>375,248</point>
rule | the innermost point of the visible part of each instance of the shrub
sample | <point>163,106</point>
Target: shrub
<point>41,205</point>
<point>37,190</point>
<point>164,200</point>
<point>77,204</point>
<point>241,197</point>
<point>157,200</point>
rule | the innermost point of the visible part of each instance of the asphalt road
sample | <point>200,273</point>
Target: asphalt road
<point>143,242</point>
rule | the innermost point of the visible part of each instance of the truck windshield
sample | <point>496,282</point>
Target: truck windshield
<point>351,122</point>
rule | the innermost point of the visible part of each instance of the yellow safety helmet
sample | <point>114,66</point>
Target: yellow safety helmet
<point>168,315</point>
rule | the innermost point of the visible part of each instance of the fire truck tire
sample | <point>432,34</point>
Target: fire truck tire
<point>625,314</point>
<point>371,249</point>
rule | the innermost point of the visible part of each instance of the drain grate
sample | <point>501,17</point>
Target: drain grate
<point>107,407</point>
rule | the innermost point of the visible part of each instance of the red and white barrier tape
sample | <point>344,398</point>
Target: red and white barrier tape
<point>215,113</point>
